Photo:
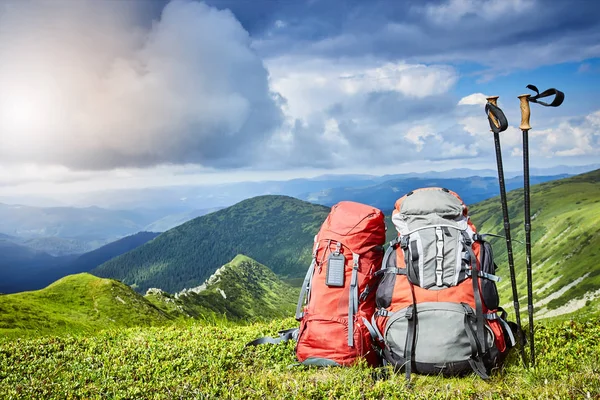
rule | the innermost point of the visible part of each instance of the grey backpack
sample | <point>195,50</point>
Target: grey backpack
<point>437,304</point>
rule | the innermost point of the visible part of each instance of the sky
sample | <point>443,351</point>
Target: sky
<point>115,94</point>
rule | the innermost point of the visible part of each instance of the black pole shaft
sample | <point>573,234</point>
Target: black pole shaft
<point>511,264</point>
<point>527,201</point>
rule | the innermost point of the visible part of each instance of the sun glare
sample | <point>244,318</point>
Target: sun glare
<point>26,117</point>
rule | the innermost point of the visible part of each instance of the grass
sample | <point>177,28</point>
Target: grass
<point>203,361</point>
<point>76,303</point>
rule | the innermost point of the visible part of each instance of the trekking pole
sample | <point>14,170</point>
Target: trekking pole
<point>498,123</point>
<point>525,127</point>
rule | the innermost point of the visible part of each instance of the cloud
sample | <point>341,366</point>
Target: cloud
<point>87,85</point>
<point>450,31</point>
<point>478,99</point>
<point>455,10</point>
<point>341,114</point>
<point>576,136</point>
<point>314,85</point>
<point>584,67</point>
<point>418,133</point>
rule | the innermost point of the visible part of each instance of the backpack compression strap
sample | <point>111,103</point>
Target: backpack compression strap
<point>559,96</point>
<point>353,299</point>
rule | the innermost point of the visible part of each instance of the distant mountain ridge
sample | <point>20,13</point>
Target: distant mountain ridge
<point>173,220</point>
<point>384,195</point>
<point>276,231</point>
<point>22,268</point>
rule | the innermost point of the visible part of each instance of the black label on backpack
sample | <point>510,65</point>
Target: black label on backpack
<point>335,270</point>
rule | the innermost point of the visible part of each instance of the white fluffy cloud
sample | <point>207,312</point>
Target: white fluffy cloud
<point>572,137</point>
<point>85,85</point>
<point>475,99</point>
<point>312,85</point>
<point>454,10</point>
<point>418,133</point>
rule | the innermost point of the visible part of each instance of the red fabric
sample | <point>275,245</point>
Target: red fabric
<point>324,328</point>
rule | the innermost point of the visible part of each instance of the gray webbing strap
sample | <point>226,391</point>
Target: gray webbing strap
<point>375,328</point>
<point>388,253</point>
<point>371,329</point>
<point>284,336</point>
<point>410,339</point>
<point>469,315</point>
<point>304,292</point>
<point>353,299</point>
<point>393,270</point>
<point>494,316</point>
<point>476,362</point>
<point>485,275</point>
<point>439,256</point>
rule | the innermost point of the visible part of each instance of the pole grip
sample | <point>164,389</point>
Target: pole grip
<point>493,100</point>
<point>525,112</point>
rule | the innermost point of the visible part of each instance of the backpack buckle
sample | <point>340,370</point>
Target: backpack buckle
<point>409,313</point>
<point>468,310</point>
<point>404,242</point>
<point>364,294</point>
<point>338,249</point>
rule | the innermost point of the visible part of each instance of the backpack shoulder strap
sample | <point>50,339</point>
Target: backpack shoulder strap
<point>306,284</point>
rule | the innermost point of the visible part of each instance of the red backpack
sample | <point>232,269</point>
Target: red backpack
<point>338,295</point>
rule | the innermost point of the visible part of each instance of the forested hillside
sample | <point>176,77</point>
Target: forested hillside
<point>276,231</point>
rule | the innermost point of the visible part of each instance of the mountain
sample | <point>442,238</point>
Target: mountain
<point>242,289</point>
<point>92,259</point>
<point>565,244</point>
<point>173,220</point>
<point>276,231</point>
<point>76,303</point>
<point>20,266</point>
<point>23,268</point>
<point>57,246</point>
<point>473,189</point>
<point>91,224</point>
<point>13,252</point>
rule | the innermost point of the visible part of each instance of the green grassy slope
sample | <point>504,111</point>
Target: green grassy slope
<point>76,303</point>
<point>210,362</point>
<point>277,231</point>
<point>565,244</point>
<point>240,290</point>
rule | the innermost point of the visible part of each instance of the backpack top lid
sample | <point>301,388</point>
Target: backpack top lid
<point>429,206</point>
<point>357,226</point>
